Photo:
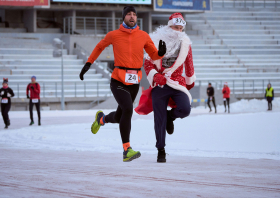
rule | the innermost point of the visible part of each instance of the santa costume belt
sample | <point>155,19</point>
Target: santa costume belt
<point>126,68</point>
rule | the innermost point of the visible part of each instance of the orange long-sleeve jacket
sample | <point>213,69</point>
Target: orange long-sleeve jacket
<point>128,48</point>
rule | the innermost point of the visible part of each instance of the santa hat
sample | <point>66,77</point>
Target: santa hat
<point>176,19</point>
<point>226,83</point>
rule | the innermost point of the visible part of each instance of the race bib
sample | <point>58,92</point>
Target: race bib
<point>35,100</point>
<point>179,21</point>
<point>5,100</point>
<point>225,99</point>
<point>210,98</point>
<point>131,76</point>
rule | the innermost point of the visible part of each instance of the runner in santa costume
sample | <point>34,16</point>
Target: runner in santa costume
<point>169,86</point>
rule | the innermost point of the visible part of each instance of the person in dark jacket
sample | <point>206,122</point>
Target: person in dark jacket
<point>34,97</point>
<point>211,97</point>
<point>6,94</point>
<point>269,95</point>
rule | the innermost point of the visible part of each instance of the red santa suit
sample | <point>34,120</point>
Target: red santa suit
<point>176,78</point>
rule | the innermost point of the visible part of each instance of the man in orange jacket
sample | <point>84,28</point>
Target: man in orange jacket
<point>128,44</point>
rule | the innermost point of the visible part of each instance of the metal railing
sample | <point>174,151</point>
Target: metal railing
<point>243,87</point>
<point>71,89</point>
<point>248,3</point>
<point>101,89</point>
<point>93,25</point>
<point>87,54</point>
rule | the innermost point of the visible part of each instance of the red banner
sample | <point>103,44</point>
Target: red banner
<point>24,2</point>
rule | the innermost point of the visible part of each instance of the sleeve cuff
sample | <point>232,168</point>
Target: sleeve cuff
<point>151,77</point>
<point>190,80</point>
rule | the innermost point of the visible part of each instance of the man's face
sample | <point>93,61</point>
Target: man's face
<point>5,84</point>
<point>178,28</point>
<point>268,85</point>
<point>209,85</point>
<point>130,19</point>
<point>33,80</point>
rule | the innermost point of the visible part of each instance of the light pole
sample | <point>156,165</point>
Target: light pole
<point>57,43</point>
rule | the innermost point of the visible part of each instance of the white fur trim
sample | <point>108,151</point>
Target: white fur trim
<point>170,22</point>
<point>158,63</point>
<point>190,80</point>
<point>184,50</point>
<point>174,21</point>
<point>180,88</point>
<point>151,77</point>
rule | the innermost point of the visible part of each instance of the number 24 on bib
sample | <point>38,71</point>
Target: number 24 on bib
<point>131,76</point>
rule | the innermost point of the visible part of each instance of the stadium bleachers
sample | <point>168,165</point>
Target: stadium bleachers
<point>21,58</point>
<point>236,45</point>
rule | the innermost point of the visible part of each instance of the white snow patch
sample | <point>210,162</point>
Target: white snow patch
<point>250,135</point>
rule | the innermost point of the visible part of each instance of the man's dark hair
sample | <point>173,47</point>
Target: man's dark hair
<point>209,84</point>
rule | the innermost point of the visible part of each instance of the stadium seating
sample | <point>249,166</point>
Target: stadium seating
<point>235,45</point>
<point>21,58</point>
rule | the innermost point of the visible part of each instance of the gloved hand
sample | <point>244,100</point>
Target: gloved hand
<point>161,48</point>
<point>272,98</point>
<point>27,96</point>
<point>84,70</point>
<point>32,87</point>
<point>2,93</point>
<point>159,79</point>
<point>224,92</point>
<point>9,95</point>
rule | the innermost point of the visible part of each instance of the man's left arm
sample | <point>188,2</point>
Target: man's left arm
<point>151,49</point>
<point>189,70</point>
<point>12,93</point>
<point>37,89</point>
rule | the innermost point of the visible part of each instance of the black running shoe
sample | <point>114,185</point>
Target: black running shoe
<point>169,123</point>
<point>8,123</point>
<point>161,156</point>
<point>6,126</point>
<point>31,123</point>
<point>39,123</point>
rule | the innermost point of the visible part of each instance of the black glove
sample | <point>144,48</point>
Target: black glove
<point>84,70</point>
<point>161,48</point>
<point>32,87</point>
<point>27,96</point>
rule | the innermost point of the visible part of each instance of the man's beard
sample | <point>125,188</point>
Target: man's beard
<point>171,37</point>
<point>128,24</point>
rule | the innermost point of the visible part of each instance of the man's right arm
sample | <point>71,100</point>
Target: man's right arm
<point>100,47</point>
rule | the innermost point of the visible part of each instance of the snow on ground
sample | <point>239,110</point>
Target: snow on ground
<point>252,135</point>
<point>245,106</point>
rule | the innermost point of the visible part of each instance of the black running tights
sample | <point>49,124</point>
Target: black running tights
<point>125,96</point>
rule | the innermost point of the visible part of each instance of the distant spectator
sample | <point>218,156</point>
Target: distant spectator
<point>211,97</point>
<point>6,94</point>
<point>269,95</point>
<point>34,97</point>
<point>226,96</point>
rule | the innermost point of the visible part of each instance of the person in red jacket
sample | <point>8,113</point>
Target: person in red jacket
<point>226,96</point>
<point>169,82</point>
<point>34,96</point>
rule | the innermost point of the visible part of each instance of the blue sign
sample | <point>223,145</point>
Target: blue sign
<point>182,5</point>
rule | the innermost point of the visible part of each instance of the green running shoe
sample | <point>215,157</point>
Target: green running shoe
<point>96,124</point>
<point>130,155</point>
